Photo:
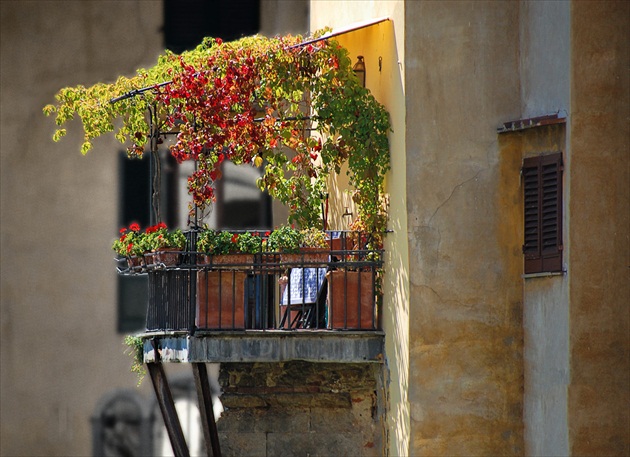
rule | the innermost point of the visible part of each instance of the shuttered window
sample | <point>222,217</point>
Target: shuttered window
<point>542,184</point>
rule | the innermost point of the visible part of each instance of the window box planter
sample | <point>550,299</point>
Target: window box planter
<point>169,257</point>
<point>312,257</point>
<point>233,261</point>
<point>135,263</point>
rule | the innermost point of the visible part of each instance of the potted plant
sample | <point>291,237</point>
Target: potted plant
<point>306,246</point>
<point>286,239</point>
<point>249,244</point>
<point>220,293</point>
<point>165,246</point>
<point>354,292</point>
<point>314,248</point>
<point>226,248</point>
<point>132,245</point>
<point>206,243</point>
<point>314,238</point>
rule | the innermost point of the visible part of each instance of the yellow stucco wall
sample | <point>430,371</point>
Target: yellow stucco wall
<point>384,40</point>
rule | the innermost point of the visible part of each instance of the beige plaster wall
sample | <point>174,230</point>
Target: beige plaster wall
<point>60,350</point>
<point>278,17</point>
<point>599,288</point>
<point>544,45</point>
<point>466,372</point>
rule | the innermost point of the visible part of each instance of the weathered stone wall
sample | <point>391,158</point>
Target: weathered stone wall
<point>466,366</point>
<point>299,408</point>
<point>599,207</point>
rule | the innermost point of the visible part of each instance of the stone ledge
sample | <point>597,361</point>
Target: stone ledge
<point>267,346</point>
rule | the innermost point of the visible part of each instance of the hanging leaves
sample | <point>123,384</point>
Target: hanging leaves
<point>251,101</point>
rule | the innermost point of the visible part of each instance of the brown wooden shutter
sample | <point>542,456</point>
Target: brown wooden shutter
<point>542,183</point>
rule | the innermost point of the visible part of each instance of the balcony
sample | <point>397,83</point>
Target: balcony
<point>319,305</point>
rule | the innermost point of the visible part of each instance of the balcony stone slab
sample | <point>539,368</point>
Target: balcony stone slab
<point>267,346</point>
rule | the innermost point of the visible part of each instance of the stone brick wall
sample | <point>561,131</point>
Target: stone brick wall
<point>302,409</point>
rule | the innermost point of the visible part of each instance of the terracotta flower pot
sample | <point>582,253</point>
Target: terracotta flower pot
<point>233,261</point>
<point>269,264</point>
<point>220,300</point>
<point>351,293</point>
<point>135,262</point>
<point>150,259</point>
<point>169,257</point>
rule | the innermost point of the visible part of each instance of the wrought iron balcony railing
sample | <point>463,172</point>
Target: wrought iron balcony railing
<point>336,288</point>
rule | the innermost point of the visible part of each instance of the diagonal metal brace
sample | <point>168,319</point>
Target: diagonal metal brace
<point>167,406</point>
<point>208,422</point>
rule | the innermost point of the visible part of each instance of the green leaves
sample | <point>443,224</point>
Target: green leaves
<point>214,97</point>
<point>58,134</point>
<point>135,349</point>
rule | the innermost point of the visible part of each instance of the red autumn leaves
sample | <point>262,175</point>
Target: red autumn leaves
<point>223,110</point>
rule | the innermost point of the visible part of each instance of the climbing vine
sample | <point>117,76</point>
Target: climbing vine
<point>251,101</point>
<point>135,349</point>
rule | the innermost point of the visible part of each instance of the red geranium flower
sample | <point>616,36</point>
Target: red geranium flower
<point>134,227</point>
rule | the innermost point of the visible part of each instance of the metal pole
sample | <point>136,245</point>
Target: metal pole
<point>167,406</point>
<point>154,135</point>
<point>204,396</point>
